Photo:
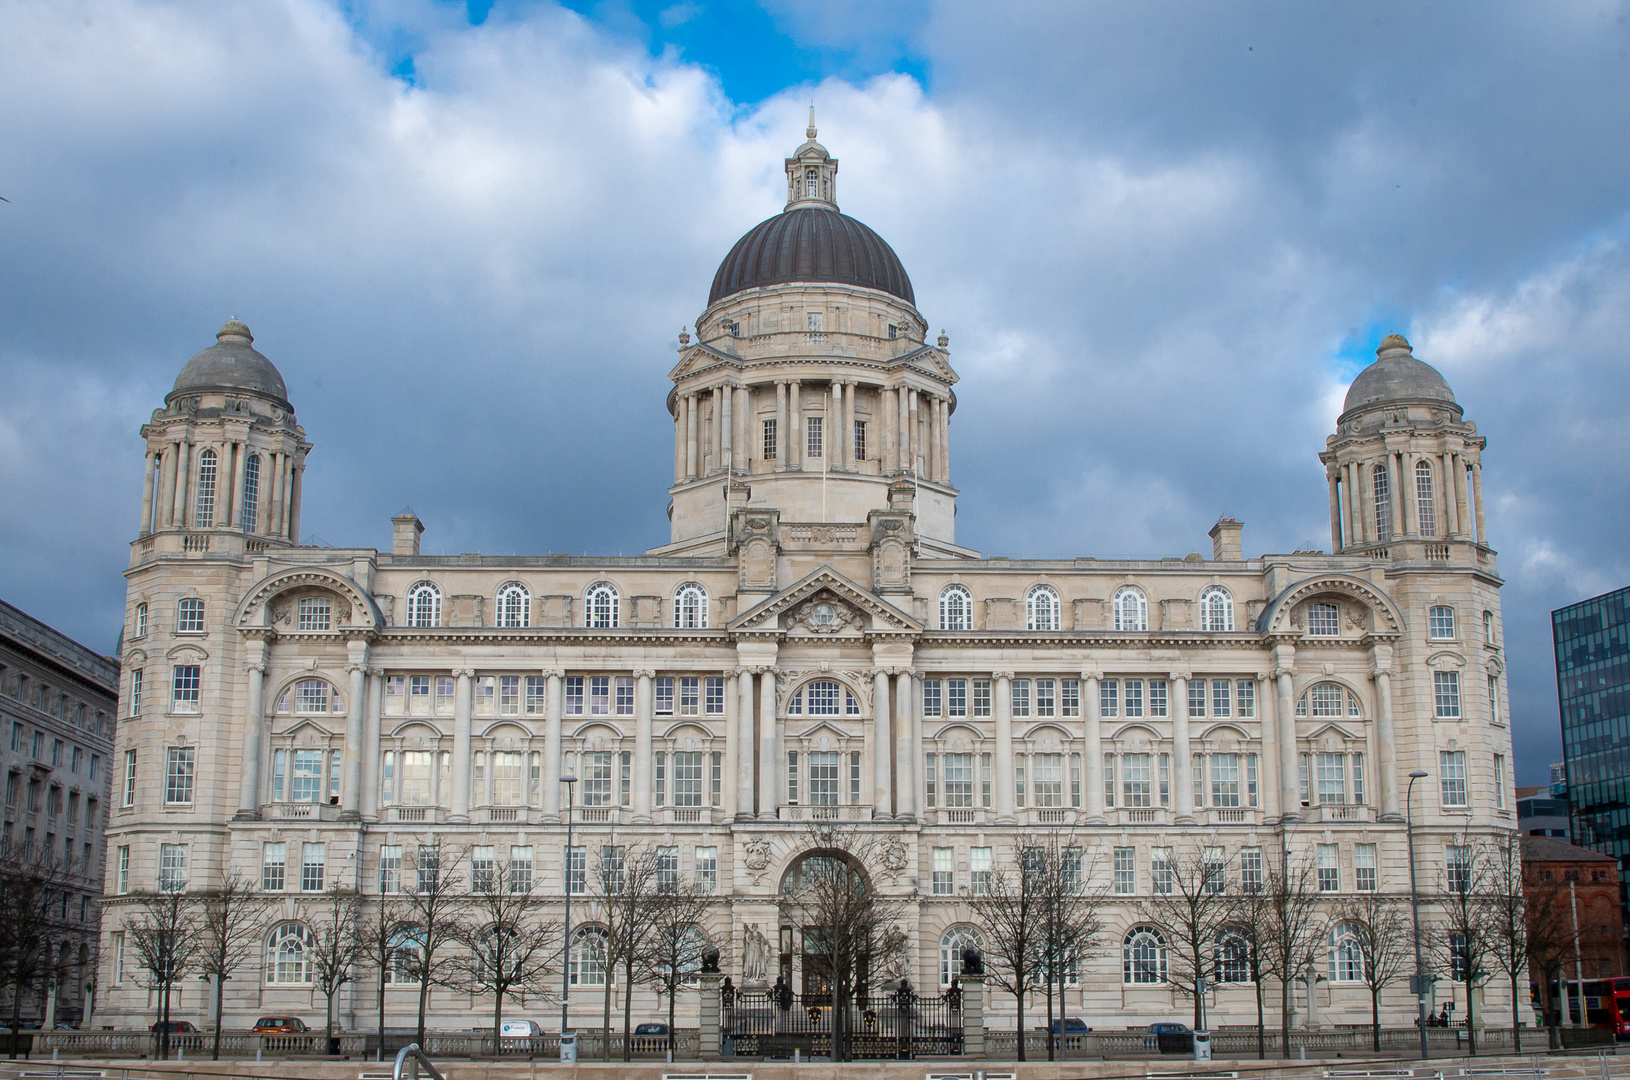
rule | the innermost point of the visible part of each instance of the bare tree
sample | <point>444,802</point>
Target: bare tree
<point>165,939</point>
<point>1191,905</point>
<point>624,883</point>
<point>675,939</point>
<point>1463,937</point>
<point>833,896</point>
<point>1506,917</point>
<point>1012,911</point>
<point>1378,931</point>
<point>435,919</point>
<point>508,941</point>
<point>232,918</point>
<point>1551,946</point>
<point>1072,928</point>
<point>334,947</point>
<point>31,923</point>
<point>1291,926</point>
<point>380,932</point>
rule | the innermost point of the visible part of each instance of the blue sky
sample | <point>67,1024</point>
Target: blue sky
<point>1161,236</point>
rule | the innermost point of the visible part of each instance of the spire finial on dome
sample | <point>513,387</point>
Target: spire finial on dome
<point>1393,341</point>
<point>233,328</point>
<point>810,132</point>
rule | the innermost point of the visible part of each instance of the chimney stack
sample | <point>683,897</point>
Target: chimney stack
<point>1225,541</point>
<point>406,532</point>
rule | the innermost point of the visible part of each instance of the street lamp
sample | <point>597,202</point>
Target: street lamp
<point>1419,980</point>
<point>566,950</point>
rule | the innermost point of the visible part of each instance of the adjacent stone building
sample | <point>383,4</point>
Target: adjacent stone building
<point>812,644</point>
<point>58,701</point>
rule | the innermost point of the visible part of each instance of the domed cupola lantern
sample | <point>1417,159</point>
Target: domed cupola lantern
<point>1404,466</point>
<point>811,388</point>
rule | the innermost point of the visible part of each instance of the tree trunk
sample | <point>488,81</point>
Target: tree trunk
<point>673,992</point>
<point>424,998</point>
<point>1261,1035</point>
<point>1049,1016</point>
<point>1375,1015</point>
<point>328,1021</point>
<point>1516,1016</point>
<point>1019,997</point>
<point>164,1028</point>
<point>1284,1014</point>
<point>382,969</point>
<point>497,1017</point>
<point>16,1012</point>
<point>220,991</point>
<point>628,1008</point>
<point>1471,1031</point>
<point>605,1029</point>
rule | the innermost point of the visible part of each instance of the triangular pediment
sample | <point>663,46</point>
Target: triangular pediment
<point>874,613</point>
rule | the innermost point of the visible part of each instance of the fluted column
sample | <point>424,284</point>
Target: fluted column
<point>744,743</point>
<point>1092,754</point>
<point>1395,496</point>
<point>768,798</point>
<point>148,471</point>
<point>945,440</point>
<point>1412,518</point>
<point>1182,768</point>
<point>1385,733</point>
<point>1335,511</point>
<point>1002,707</point>
<point>463,706</point>
<point>642,746</point>
<point>1290,799</point>
<point>795,414</point>
<point>907,749</point>
<point>691,470</point>
<point>553,707</point>
<point>355,710</point>
<point>882,772</point>
<point>253,734</point>
<point>370,745</point>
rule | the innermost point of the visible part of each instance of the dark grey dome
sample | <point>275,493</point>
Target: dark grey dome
<point>232,365</point>
<point>814,244</point>
<point>1397,376</point>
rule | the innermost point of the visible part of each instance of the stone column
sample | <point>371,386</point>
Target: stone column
<point>294,500</point>
<point>882,774</point>
<point>717,441</point>
<point>679,440</point>
<point>355,709</point>
<point>463,706</point>
<point>744,744</point>
<point>249,774</point>
<point>178,513</point>
<point>1449,493</point>
<point>912,424</point>
<point>887,417</point>
<point>692,469</point>
<point>908,437</point>
<point>1395,496</point>
<point>1268,761</point>
<point>1290,799</point>
<point>945,439</point>
<point>907,750</point>
<point>1385,734</point>
<point>370,745</point>
<point>1092,754</point>
<point>837,451</point>
<point>148,476</point>
<point>234,504</point>
<point>795,433</point>
<point>727,431</point>
<point>553,706</point>
<point>782,432</point>
<point>1355,505</point>
<point>1182,767</point>
<point>1330,476</point>
<point>1002,707</point>
<point>768,799</point>
<point>642,746</point>
<point>1412,518</point>
<point>285,483</point>
<point>973,1016</point>
<point>1477,500</point>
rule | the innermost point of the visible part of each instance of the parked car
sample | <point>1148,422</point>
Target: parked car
<point>279,1025</point>
<point>650,1031</point>
<point>1072,1025</point>
<point>518,1029</point>
<point>177,1027</point>
<point>1168,1037</point>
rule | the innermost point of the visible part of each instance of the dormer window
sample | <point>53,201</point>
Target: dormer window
<point>315,613</point>
<point>812,183</point>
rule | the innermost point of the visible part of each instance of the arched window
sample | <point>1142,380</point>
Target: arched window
<point>823,697</point>
<point>405,950</point>
<point>1346,954</point>
<point>1131,609</point>
<point>251,492</point>
<point>600,607</point>
<point>286,961</point>
<point>1233,956</point>
<point>310,697</point>
<point>956,608</point>
<point>1216,610</point>
<point>1143,957</point>
<point>1440,623</point>
<point>1382,488</point>
<point>514,606</point>
<point>690,608</point>
<point>1328,699</point>
<point>1041,609</point>
<point>189,616</point>
<point>204,517</point>
<point>141,620</point>
<point>811,183</point>
<point>1425,506</point>
<point>424,605</point>
<point>587,966</point>
<point>952,942</point>
<point>1488,627</point>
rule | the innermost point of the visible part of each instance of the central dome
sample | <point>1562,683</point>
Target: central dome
<point>813,244</point>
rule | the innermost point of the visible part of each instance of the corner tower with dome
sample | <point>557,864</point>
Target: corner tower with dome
<point>812,645</point>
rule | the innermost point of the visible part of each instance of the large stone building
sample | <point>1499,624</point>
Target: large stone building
<point>812,643</point>
<point>58,701</point>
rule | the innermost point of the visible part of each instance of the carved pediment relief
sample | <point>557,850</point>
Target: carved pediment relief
<point>825,614</point>
<point>826,585</point>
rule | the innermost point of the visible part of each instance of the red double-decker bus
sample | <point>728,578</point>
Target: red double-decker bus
<point>1606,1004</point>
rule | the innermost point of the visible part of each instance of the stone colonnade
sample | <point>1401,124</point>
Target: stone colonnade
<point>1457,505</point>
<point>171,483</point>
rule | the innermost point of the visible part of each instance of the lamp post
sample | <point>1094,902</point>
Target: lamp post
<point>1415,907</point>
<point>566,948</point>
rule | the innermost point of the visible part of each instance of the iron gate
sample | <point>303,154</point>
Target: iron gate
<point>773,1023</point>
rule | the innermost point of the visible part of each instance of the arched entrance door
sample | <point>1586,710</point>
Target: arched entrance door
<point>822,890</point>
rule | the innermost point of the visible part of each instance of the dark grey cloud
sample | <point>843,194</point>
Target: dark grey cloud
<point>1160,236</point>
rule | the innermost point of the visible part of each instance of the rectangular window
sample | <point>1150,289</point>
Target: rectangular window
<point>1222,697</point>
<point>12,781</point>
<point>1250,780</point>
<point>1332,779</point>
<point>1245,697</point>
<point>713,702</point>
<point>625,696</point>
<point>717,767</point>
<point>1215,869</point>
<point>1160,869</point>
<point>390,869</point>
<point>687,778</point>
<point>792,776</point>
<point>1441,623</point>
<point>823,778</point>
<point>854,777</point>
<point>418,777</point>
<point>1157,697</point>
<point>395,695</point>
<point>1046,699</point>
<point>931,697</point>
<point>1458,868</point>
<point>446,695</point>
<point>613,868</point>
<point>769,440</point>
<point>956,697</point>
<point>1069,697</point>
<point>1452,777</point>
<point>1445,694</point>
<point>1136,780</point>
<point>1197,772</point>
<point>1075,781</point>
<point>663,704</point>
<point>1048,780</point>
<point>1109,698</point>
<point>1364,867</point>
<point>130,778</point>
<point>1302,779</point>
<point>816,444</point>
<point>944,871</point>
<point>273,863</point>
<point>75,759</point>
<point>135,706</point>
<point>315,613</point>
<point>17,738</point>
<point>1250,870</point>
<point>117,938</point>
<point>1499,781</point>
<point>123,885</point>
<point>1109,780</point>
<point>690,696</point>
<point>184,689</point>
<point>178,773</point>
<point>931,776</point>
<point>1357,762</point>
<point>1494,698</point>
<point>979,870</point>
<point>508,778</point>
<point>1018,779</point>
<point>860,440</point>
<point>626,778</point>
<point>667,879</point>
<point>1329,868</point>
<point>1126,871</point>
<point>313,859</point>
<point>707,869</point>
<point>597,779</point>
<point>574,695</point>
<point>1132,697</point>
<point>172,867</point>
<point>1197,697</point>
<point>1225,780</point>
<point>190,617</point>
<point>509,695</point>
<point>577,870</point>
<point>1163,771</point>
<point>520,869</point>
<point>483,869</point>
<point>1020,697</point>
<point>981,697</point>
<point>599,695</point>
<point>984,781</point>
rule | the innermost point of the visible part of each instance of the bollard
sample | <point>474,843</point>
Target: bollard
<point>257,1056</point>
<point>795,1055</point>
<point>54,1052</point>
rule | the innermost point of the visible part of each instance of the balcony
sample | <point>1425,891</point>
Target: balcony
<point>508,815</point>
<point>597,815</point>
<point>824,813</point>
<point>1332,812</point>
<point>1235,815</point>
<point>302,811</point>
<point>962,815</point>
<point>1051,815</point>
<point>417,815</point>
<point>1144,815</point>
<point>688,815</point>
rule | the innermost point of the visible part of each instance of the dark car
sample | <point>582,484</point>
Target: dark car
<point>1168,1037</point>
<point>656,1031</point>
<point>177,1027</point>
<point>1072,1025</point>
